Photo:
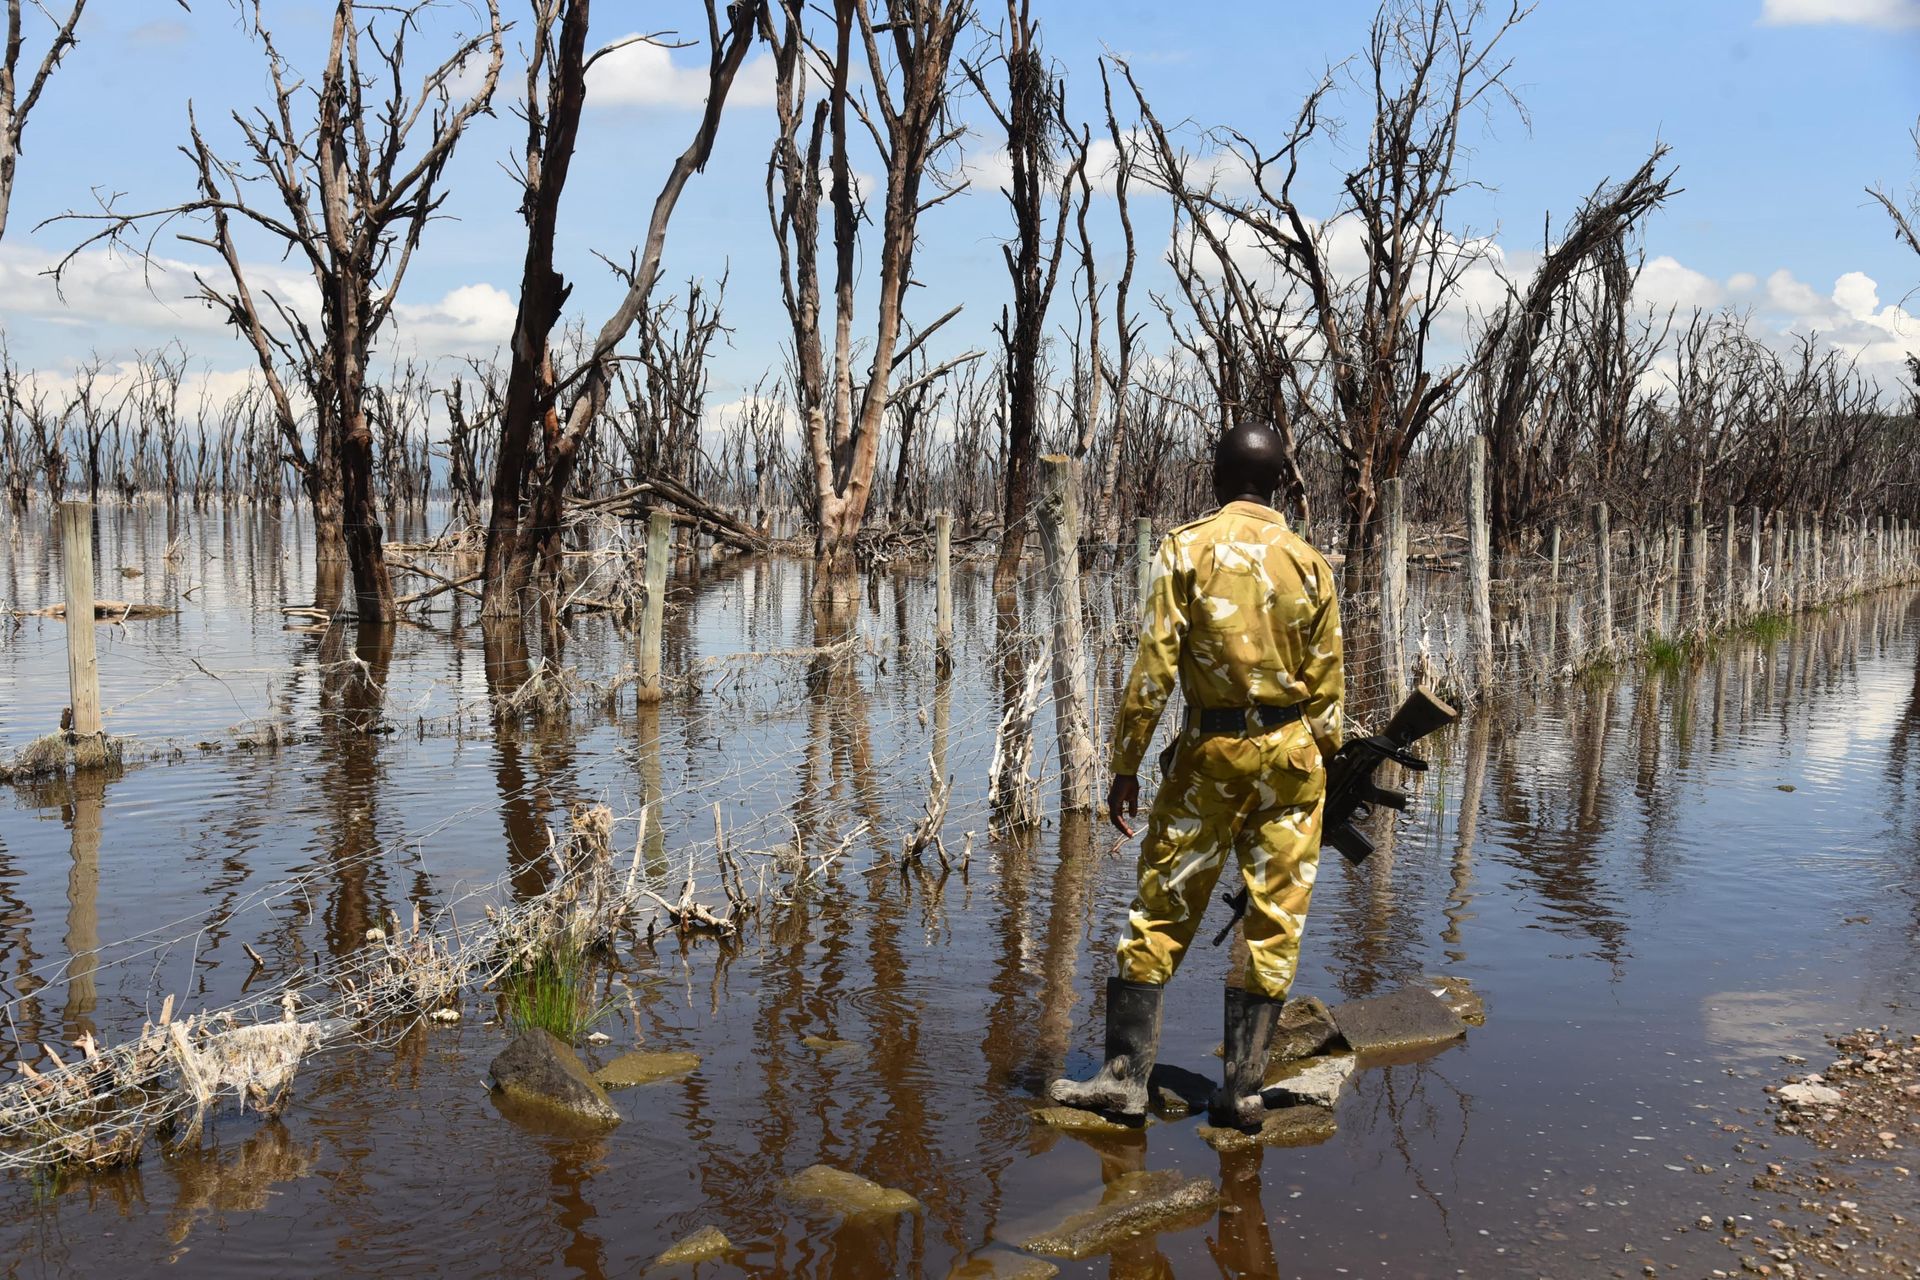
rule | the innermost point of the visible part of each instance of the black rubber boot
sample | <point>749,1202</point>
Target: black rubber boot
<point>1133,1037</point>
<point>1251,1020</point>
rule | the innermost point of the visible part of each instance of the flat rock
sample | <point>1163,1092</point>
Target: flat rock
<point>643,1067</point>
<point>1079,1121</point>
<point>825,1187</point>
<point>1303,1126</point>
<point>1410,1018</point>
<point>1458,995</point>
<point>537,1069</point>
<point>1306,1027</point>
<point>1809,1095</point>
<point>704,1245</point>
<point>1309,1082</point>
<point>1002,1264</point>
<point>1133,1205</point>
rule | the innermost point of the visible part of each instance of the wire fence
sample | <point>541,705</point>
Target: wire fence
<point>1427,611</point>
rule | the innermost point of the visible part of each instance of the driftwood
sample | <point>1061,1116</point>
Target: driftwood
<point>104,611</point>
<point>694,510</point>
<point>445,583</point>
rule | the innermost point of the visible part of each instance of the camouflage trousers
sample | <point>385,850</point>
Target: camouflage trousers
<point>1260,799</point>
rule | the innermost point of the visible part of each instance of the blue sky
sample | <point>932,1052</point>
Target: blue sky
<point>1778,112</point>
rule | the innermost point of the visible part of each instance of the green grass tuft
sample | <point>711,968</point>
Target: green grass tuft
<point>553,991</point>
<point>1768,627</point>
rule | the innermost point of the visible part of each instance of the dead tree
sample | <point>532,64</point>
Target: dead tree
<point>904,111</point>
<point>1429,66</point>
<point>1522,475</point>
<point>1904,220</point>
<point>352,192</point>
<point>14,109</point>
<point>519,540</point>
<point>1032,119</point>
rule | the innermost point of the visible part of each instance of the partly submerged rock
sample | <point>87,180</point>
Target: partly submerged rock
<point>1310,1082</point>
<point>1410,1018</point>
<point>1078,1120</point>
<point>1133,1205</point>
<point>537,1069</point>
<point>643,1067</point>
<point>1301,1126</point>
<point>825,1187</point>
<point>828,1047</point>
<point>1002,1264</point>
<point>1458,995</point>
<point>1306,1027</point>
<point>704,1245</point>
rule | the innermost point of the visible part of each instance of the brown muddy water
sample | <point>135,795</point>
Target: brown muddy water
<point>1661,882</point>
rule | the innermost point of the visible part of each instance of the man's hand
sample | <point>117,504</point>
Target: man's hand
<point>1123,797</point>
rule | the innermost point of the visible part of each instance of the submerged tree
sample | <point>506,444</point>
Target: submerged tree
<point>1032,121</point>
<point>342,175</point>
<point>904,111</point>
<point>1429,66</point>
<point>1543,370</point>
<point>540,449</point>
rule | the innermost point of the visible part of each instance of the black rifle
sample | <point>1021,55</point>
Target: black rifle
<point>1351,791</point>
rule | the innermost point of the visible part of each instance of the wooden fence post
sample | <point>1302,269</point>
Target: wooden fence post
<point>1643,582</point>
<point>1779,566</point>
<point>1060,541</point>
<point>1697,616</point>
<point>1603,578</point>
<point>1479,565</point>
<point>654,613</point>
<point>1822,581</point>
<point>943,588</point>
<point>1393,591</point>
<point>1730,588</point>
<point>1142,560</point>
<point>83,666</point>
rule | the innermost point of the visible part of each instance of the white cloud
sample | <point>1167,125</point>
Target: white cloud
<point>474,318</point>
<point>1886,14</point>
<point>1791,296</point>
<point>1664,283</point>
<point>1856,294</point>
<point>645,75</point>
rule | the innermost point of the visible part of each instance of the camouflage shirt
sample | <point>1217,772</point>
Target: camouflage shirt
<point>1245,612</point>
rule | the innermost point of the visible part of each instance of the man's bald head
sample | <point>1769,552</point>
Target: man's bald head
<point>1247,463</point>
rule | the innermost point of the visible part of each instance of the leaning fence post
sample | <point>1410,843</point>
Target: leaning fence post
<point>83,667</point>
<point>943,588</point>
<point>1060,542</point>
<point>1142,559</point>
<point>1393,591</point>
<point>1603,576</point>
<point>1479,564</point>
<point>654,613</point>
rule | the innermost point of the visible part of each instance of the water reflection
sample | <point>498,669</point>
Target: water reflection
<point>1579,853</point>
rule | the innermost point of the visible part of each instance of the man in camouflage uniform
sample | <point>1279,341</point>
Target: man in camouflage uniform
<point>1244,613</point>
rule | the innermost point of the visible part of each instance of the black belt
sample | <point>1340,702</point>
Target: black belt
<point>1261,716</point>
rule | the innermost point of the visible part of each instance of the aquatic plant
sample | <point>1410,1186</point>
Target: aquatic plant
<point>552,990</point>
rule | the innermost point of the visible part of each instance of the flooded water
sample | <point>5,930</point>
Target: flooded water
<point>1660,882</point>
